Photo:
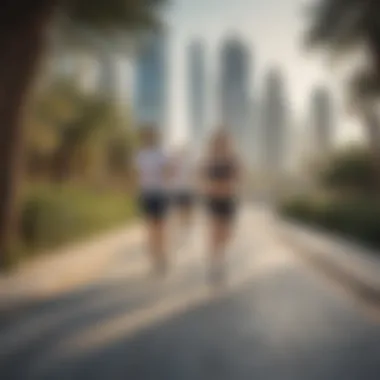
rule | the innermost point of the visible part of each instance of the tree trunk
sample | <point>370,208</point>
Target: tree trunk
<point>21,46</point>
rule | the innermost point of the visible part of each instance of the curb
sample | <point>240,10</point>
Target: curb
<point>63,270</point>
<point>351,265</point>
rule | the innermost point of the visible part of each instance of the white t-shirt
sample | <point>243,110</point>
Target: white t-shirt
<point>184,173</point>
<point>151,164</point>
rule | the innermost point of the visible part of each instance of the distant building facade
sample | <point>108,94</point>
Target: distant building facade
<point>234,86</point>
<point>273,126</point>
<point>108,76</point>
<point>196,91</point>
<point>151,81</point>
<point>322,121</point>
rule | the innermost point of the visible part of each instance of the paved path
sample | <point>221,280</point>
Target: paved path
<point>275,319</point>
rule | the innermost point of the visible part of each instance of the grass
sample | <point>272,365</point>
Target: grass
<point>54,215</point>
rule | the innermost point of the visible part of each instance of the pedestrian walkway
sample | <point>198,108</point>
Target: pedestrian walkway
<point>358,264</point>
<point>275,319</point>
<point>65,269</point>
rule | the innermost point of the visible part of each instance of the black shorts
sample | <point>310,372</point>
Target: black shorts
<point>154,205</point>
<point>222,208</point>
<point>183,199</point>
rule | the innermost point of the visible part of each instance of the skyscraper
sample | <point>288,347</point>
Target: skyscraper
<point>197,91</point>
<point>108,76</point>
<point>273,124</point>
<point>151,86</point>
<point>234,87</point>
<point>322,121</point>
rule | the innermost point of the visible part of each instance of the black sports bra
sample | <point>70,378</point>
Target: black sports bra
<point>221,170</point>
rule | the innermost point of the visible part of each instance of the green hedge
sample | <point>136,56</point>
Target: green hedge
<point>55,215</point>
<point>357,219</point>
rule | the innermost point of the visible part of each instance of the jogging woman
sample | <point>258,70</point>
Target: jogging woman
<point>221,176</point>
<point>153,174</point>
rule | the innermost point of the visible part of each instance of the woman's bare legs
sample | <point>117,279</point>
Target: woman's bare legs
<point>220,237</point>
<point>185,214</point>
<point>156,244</point>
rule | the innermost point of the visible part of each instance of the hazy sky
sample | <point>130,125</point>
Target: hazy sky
<point>273,31</point>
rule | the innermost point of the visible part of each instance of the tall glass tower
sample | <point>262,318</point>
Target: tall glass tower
<point>151,81</point>
<point>108,76</point>
<point>196,91</point>
<point>322,121</point>
<point>234,88</point>
<point>274,124</point>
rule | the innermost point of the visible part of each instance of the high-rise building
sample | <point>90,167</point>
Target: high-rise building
<point>252,135</point>
<point>322,121</point>
<point>273,124</point>
<point>108,76</point>
<point>197,91</point>
<point>234,87</point>
<point>151,86</point>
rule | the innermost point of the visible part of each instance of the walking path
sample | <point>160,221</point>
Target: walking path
<point>276,318</point>
<point>65,269</point>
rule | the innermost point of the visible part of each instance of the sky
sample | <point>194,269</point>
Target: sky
<point>273,30</point>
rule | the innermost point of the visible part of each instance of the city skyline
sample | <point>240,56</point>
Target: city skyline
<point>265,141</point>
<point>259,121</point>
<point>273,31</point>
<point>267,40</point>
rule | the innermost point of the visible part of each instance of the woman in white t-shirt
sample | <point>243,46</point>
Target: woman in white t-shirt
<point>153,171</point>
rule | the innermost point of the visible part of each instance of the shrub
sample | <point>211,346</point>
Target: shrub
<point>351,170</point>
<point>54,215</point>
<point>356,218</point>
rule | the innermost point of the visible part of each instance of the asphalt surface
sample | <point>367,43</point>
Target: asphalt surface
<point>275,318</point>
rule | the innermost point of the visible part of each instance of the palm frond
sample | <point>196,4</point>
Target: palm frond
<point>337,24</point>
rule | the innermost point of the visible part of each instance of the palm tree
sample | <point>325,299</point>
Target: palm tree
<point>25,29</point>
<point>343,26</point>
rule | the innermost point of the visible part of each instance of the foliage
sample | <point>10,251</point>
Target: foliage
<point>53,215</point>
<point>355,218</point>
<point>128,14</point>
<point>343,25</point>
<point>347,204</point>
<point>24,30</point>
<point>71,134</point>
<point>111,14</point>
<point>90,140</point>
<point>97,25</point>
<point>350,171</point>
